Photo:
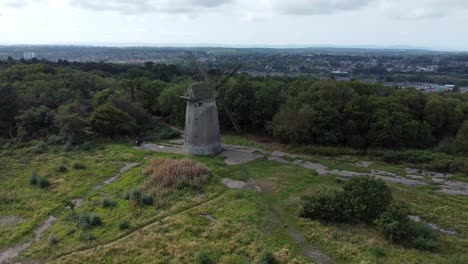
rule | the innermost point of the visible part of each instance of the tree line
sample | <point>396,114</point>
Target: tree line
<point>79,101</point>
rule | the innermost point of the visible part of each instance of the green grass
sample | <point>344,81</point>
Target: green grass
<point>247,223</point>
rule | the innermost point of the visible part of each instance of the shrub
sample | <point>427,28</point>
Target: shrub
<point>43,183</point>
<point>457,166</point>
<point>124,225</point>
<point>138,197</point>
<point>394,223</point>
<point>325,206</point>
<point>422,237</point>
<point>266,258</point>
<point>62,168</point>
<point>166,175</point>
<point>86,221</point>
<point>95,220</point>
<point>53,240</point>
<point>33,178</point>
<point>202,258</point>
<point>107,203</point>
<point>78,166</point>
<point>378,252</point>
<point>366,197</point>
<point>109,121</point>
<point>40,147</point>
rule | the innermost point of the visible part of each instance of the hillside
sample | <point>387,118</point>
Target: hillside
<point>223,224</point>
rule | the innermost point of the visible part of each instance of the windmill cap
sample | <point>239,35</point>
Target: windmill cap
<point>200,91</point>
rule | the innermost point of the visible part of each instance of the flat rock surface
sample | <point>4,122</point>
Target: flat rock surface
<point>10,220</point>
<point>235,157</point>
<point>162,149</point>
<point>433,226</point>
<point>233,184</point>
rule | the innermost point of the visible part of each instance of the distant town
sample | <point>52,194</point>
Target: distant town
<point>424,70</point>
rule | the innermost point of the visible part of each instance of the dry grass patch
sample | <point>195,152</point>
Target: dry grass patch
<point>166,175</point>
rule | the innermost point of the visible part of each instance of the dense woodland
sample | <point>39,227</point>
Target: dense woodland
<point>76,102</point>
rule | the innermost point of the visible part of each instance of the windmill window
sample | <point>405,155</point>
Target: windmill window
<point>200,104</point>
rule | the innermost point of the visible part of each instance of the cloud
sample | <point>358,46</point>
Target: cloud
<point>144,6</point>
<point>312,7</point>
<point>251,10</point>
<point>421,9</point>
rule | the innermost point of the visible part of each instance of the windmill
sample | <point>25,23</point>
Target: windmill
<point>202,135</point>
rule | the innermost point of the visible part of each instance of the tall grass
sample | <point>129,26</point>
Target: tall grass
<point>166,175</point>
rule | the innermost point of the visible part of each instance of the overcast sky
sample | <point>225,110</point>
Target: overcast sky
<point>438,24</point>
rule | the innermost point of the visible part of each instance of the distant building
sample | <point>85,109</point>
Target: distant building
<point>29,55</point>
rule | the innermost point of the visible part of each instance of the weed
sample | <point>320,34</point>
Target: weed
<point>107,203</point>
<point>166,175</point>
<point>202,258</point>
<point>378,252</point>
<point>266,258</point>
<point>53,239</point>
<point>43,183</point>
<point>124,225</point>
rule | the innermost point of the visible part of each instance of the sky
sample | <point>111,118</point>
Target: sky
<point>433,24</point>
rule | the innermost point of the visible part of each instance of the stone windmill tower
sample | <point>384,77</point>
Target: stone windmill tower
<point>202,135</point>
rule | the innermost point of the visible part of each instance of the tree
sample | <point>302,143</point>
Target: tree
<point>8,110</point>
<point>36,122</point>
<point>109,121</point>
<point>172,105</point>
<point>74,128</point>
<point>462,138</point>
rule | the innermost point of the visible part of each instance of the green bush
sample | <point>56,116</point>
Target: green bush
<point>366,198</point>
<point>325,206</point>
<point>124,225</point>
<point>107,203</point>
<point>422,237</point>
<point>68,146</point>
<point>378,252</point>
<point>266,258</point>
<point>109,121</point>
<point>43,183</point>
<point>86,221</point>
<point>394,223</point>
<point>39,148</point>
<point>202,258</point>
<point>55,140</point>
<point>53,239</point>
<point>78,166</point>
<point>62,168</point>
<point>139,197</point>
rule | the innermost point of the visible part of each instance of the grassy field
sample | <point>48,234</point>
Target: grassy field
<point>227,226</point>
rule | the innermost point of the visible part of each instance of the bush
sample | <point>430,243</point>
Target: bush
<point>366,198</point>
<point>39,148</point>
<point>422,237</point>
<point>62,168</point>
<point>124,225</point>
<point>378,252</point>
<point>107,203</point>
<point>326,206</point>
<point>138,197</point>
<point>166,175</point>
<point>86,221</point>
<point>109,121</point>
<point>33,178</point>
<point>394,223</point>
<point>202,258</point>
<point>53,240</point>
<point>95,220</point>
<point>78,166</point>
<point>43,183</point>
<point>266,258</point>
